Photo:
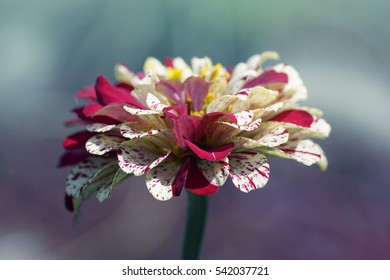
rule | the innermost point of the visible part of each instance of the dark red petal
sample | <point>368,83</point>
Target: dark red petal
<point>107,94</point>
<point>298,117</point>
<point>90,109</point>
<point>188,127</point>
<point>74,122</point>
<point>72,157</point>
<point>197,183</point>
<point>212,153</point>
<point>68,203</point>
<point>77,140</point>
<point>114,112</point>
<point>169,62</point>
<point>268,77</point>
<point>181,178</point>
<point>197,89</point>
<point>172,90</point>
<point>88,93</point>
<point>125,86</point>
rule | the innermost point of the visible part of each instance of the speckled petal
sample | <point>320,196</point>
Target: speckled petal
<point>101,144</point>
<point>248,170</point>
<point>139,156</point>
<point>216,172</point>
<point>135,111</point>
<point>154,103</point>
<point>83,173</point>
<point>130,133</point>
<point>99,127</point>
<point>303,151</point>
<point>159,180</point>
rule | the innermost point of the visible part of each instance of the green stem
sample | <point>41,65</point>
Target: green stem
<point>196,220</point>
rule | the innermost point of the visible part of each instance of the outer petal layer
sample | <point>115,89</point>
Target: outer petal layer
<point>248,170</point>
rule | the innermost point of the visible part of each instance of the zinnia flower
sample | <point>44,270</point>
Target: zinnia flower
<point>191,126</point>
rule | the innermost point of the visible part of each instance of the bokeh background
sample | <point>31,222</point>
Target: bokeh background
<point>49,49</point>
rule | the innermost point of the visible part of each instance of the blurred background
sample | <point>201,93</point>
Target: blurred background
<point>49,49</point>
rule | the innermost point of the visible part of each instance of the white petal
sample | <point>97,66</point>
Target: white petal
<point>130,133</point>
<point>222,103</point>
<point>99,127</point>
<point>154,103</point>
<point>269,134</point>
<point>320,126</point>
<point>248,170</point>
<point>82,173</point>
<point>139,155</point>
<point>154,65</point>
<point>136,111</point>
<point>159,180</point>
<point>215,172</point>
<point>303,151</point>
<point>101,144</point>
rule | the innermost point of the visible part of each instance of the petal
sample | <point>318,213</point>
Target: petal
<point>303,151</point>
<point>211,153</point>
<point>73,157</point>
<point>99,127</point>
<point>197,182</point>
<point>83,173</point>
<point>154,103</point>
<point>77,140</point>
<point>88,93</point>
<point>196,89</point>
<point>91,109</point>
<point>269,134</point>
<point>185,127</point>
<point>173,90</point>
<point>248,170</point>
<point>298,117</point>
<point>216,172</point>
<point>139,112</point>
<point>114,112</point>
<point>130,133</point>
<point>159,180</point>
<point>107,94</point>
<point>222,103</point>
<point>101,144</point>
<point>268,77</point>
<point>139,156</point>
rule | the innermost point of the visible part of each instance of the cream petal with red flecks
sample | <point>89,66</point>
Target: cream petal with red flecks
<point>303,151</point>
<point>268,134</point>
<point>99,127</point>
<point>216,172</point>
<point>159,180</point>
<point>130,133</point>
<point>249,170</point>
<point>101,144</point>
<point>83,173</point>
<point>154,103</point>
<point>138,156</point>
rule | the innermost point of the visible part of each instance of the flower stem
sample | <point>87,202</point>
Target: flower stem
<point>196,220</point>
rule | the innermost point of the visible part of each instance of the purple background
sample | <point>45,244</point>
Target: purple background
<point>50,49</point>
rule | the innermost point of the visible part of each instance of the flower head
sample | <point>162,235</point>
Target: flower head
<point>191,126</point>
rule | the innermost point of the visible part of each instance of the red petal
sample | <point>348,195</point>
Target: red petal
<point>77,140</point>
<point>185,127</point>
<point>71,158</point>
<point>212,153</point>
<point>172,90</point>
<point>68,201</point>
<point>298,117</point>
<point>181,178</point>
<point>90,109</point>
<point>197,183</point>
<point>169,62</point>
<point>107,93</point>
<point>196,88</point>
<point>268,77</point>
<point>88,93</point>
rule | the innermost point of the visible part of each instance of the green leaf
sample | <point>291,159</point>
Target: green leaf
<point>119,177</point>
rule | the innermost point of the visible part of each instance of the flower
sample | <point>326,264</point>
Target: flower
<point>190,126</point>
